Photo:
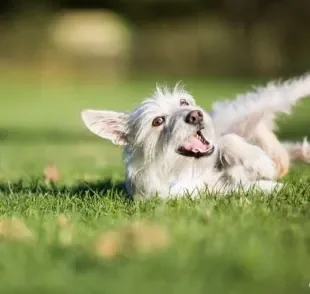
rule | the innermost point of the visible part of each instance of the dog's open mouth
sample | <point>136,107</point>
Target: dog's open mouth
<point>196,146</point>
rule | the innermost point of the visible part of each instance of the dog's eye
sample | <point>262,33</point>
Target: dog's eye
<point>184,102</point>
<point>158,121</point>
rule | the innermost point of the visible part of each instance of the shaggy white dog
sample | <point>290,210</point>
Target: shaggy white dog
<point>173,147</point>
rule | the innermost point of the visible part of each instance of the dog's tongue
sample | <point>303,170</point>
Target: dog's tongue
<point>195,145</point>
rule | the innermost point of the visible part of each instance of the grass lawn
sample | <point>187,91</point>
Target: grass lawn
<point>81,235</point>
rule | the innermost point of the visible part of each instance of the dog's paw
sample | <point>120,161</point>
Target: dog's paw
<point>282,163</point>
<point>260,165</point>
<point>269,186</point>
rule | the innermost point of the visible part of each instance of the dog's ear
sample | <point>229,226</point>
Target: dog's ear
<point>109,125</point>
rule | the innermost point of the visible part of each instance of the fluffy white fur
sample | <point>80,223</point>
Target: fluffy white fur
<point>252,116</point>
<point>154,165</point>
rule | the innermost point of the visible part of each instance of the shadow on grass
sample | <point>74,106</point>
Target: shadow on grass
<point>105,188</point>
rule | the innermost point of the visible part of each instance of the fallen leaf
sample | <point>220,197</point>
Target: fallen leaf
<point>207,214</point>
<point>109,244</point>
<point>145,237</point>
<point>51,173</point>
<point>65,233</point>
<point>14,229</point>
<point>136,237</point>
<point>63,221</point>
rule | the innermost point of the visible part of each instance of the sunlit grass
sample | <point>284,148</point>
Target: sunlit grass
<point>80,234</point>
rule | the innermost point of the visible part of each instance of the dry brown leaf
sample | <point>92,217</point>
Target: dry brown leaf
<point>207,215</point>
<point>138,237</point>
<point>51,173</point>
<point>63,221</point>
<point>14,229</point>
<point>109,244</point>
<point>145,237</point>
<point>65,233</point>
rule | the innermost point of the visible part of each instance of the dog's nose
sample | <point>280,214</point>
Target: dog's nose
<point>195,117</point>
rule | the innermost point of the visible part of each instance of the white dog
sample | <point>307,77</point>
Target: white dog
<point>172,147</point>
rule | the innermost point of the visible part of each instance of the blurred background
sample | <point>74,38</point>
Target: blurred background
<point>121,38</point>
<point>60,56</point>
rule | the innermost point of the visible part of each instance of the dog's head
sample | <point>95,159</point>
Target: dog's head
<point>167,124</point>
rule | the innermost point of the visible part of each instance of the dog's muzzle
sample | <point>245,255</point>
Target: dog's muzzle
<point>196,146</point>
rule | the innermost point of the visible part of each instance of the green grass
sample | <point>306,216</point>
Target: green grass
<point>235,244</point>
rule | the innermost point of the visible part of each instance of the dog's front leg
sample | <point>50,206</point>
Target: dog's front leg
<point>244,161</point>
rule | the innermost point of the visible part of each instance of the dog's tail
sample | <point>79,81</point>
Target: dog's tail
<point>242,115</point>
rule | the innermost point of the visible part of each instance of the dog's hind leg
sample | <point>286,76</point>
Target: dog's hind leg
<point>282,153</point>
<point>252,117</point>
<point>243,161</point>
<point>278,152</point>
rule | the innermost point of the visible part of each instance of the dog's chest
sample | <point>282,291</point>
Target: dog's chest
<point>190,183</point>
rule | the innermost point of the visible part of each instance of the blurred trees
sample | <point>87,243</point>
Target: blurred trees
<point>243,37</point>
